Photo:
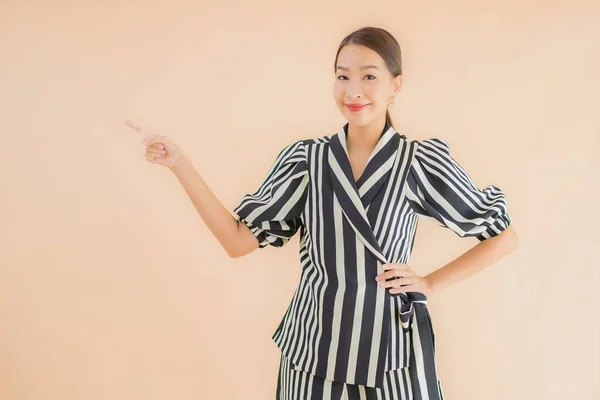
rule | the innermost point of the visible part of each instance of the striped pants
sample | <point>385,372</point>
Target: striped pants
<point>295,384</point>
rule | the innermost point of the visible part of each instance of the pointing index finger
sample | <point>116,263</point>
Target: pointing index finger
<point>132,125</point>
<point>144,132</point>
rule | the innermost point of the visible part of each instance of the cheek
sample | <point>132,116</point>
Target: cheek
<point>376,93</point>
<point>338,92</point>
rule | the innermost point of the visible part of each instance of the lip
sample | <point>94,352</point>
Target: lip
<point>355,107</point>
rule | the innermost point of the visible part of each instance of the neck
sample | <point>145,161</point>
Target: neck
<point>364,137</point>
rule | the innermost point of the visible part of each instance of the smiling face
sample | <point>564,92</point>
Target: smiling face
<point>364,85</point>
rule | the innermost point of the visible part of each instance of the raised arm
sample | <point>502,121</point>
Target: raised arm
<point>236,238</point>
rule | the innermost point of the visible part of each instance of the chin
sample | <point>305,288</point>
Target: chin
<point>358,119</point>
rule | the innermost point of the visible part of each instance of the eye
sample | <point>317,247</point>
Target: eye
<point>343,77</point>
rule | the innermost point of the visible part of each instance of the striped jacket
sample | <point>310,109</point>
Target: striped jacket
<point>340,325</point>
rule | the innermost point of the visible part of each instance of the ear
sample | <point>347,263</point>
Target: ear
<point>397,84</point>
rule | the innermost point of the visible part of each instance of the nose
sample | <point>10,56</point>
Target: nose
<point>352,96</point>
<point>353,91</point>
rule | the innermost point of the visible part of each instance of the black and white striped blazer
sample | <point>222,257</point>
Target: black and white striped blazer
<point>340,325</point>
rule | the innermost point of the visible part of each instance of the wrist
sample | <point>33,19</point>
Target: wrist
<point>180,165</point>
<point>431,284</point>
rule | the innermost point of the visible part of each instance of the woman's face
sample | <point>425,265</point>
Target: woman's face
<point>363,79</point>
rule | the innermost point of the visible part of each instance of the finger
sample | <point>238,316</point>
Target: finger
<point>154,157</point>
<point>394,266</point>
<point>155,150</point>
<point>394,273</point>
<point>151,139</point>
<point>146,133</point>
<point>156,146</point>
<point>404,273</point>
<point>151,156</point>
<point>397,282</point>
<point>389,270</point>
<point>130,124</point>
<point>405,289</point>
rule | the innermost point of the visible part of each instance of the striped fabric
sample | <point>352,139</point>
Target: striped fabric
<point>340,325</point>
<point>295,384</point>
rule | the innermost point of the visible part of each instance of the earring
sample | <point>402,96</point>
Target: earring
<point>393,100</point>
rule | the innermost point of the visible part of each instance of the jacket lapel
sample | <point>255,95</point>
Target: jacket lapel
<point>354,197</point>
<point>379,166</point>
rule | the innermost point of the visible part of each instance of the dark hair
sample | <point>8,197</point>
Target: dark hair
<point>383,43</point>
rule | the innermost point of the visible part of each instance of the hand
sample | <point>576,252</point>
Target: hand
<point>159,149</point>
<point>406,280</point>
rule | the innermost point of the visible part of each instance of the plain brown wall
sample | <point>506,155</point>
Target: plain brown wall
<point>112,287</point>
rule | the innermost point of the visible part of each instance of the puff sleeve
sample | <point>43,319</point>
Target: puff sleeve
<point>439,188</point>
<point>273,211</point>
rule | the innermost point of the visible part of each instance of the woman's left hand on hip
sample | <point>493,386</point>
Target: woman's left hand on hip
<point>406,280</point>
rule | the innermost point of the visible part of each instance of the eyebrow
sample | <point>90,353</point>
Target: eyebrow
<point>363,67</point>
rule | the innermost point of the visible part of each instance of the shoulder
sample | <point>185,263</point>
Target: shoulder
<point>296,150</point>
<point>433,143</point>
<point>304,143</point>
<point>309,144</point>
<point>293,151</point>
<point>427,151</point>
<point>317,141</point>
<point>431,147</point>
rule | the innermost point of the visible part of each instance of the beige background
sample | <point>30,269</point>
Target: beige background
<point>111,286</point>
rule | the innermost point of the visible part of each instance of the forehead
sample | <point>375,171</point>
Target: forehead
<point>353,56</point>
